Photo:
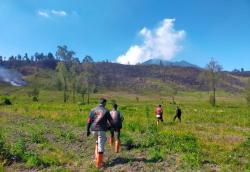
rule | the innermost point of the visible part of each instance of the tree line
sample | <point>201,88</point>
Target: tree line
<point>83,77</point>
<point>74,77</point>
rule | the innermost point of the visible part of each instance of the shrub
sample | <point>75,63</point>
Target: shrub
<point>6,101</point>
<point>4,153</point>
<point>34,93</point>
<point>35,99</point>
<point>18,148</point>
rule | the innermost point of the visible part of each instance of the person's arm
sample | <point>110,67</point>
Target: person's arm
<point>110,120</point>
<point>90,120</point>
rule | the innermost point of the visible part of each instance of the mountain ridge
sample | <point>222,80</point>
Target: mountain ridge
<point>181,63</point>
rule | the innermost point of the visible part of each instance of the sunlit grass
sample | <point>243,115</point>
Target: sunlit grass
<point>51,130</point>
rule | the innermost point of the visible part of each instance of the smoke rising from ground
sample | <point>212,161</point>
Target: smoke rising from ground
<point>162,43</point>
<point>12,77</point>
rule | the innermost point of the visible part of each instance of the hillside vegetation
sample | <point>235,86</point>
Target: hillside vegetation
<point>43,122</point>
<point>141,78</point>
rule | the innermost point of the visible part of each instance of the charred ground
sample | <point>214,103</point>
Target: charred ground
<point>136,78</point>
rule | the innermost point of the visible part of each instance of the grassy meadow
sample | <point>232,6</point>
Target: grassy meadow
<point>49,135</point>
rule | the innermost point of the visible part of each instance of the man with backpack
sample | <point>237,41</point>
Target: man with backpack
<point>115,130</point>
<point>98,123</point>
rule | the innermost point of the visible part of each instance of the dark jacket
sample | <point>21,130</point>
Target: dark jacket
<point>98,119</point>
<point>117,119</point>
<point>178,112</point>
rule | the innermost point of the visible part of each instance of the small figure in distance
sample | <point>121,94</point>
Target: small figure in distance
<point>115,131</point>
<point>178,114</point>
<point>159,114</point>
<point>98,123</point>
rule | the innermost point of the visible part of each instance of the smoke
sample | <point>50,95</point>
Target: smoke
<point>162,43</point>
<point>12,77</point>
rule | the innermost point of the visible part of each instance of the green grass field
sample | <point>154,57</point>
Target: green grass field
<point>49,135</point>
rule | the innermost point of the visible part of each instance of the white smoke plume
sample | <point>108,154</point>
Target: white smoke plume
<point>162,42</point>
<point>12,77</point>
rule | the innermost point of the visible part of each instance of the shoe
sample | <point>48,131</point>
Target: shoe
<point>99,160</point>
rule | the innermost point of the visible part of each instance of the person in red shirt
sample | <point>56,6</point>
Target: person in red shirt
<point>159,114</point>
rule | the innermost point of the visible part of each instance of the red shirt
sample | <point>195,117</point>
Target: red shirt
<point>159,111</point>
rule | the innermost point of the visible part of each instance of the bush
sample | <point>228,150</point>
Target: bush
<point>18,149</point>
<point>6,101</point>
<point>34,93</point>
<point>4,153</point>
<point>35,99</point>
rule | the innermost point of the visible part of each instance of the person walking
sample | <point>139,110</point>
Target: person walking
<point>178,114</point>
<point>117,118</point>
<point>159,114</point>
<point>97,124</point>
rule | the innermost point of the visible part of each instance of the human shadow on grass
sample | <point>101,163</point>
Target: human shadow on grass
<point>123,160</point>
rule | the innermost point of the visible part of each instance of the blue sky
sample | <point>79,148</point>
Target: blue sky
<point>195,30</point>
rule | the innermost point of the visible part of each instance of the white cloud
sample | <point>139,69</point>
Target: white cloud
<point>51,13</point>
<point>60,13</point>
<point>162,42</point>
<point>43,14</point>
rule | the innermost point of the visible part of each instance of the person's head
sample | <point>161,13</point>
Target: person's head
<point>102,101</point>
<point>159,105</point>
<point>115,106</point>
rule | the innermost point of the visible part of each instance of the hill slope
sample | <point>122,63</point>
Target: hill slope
<point>169,63</point>
<point>140,78</point>
<point>155,77</point>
